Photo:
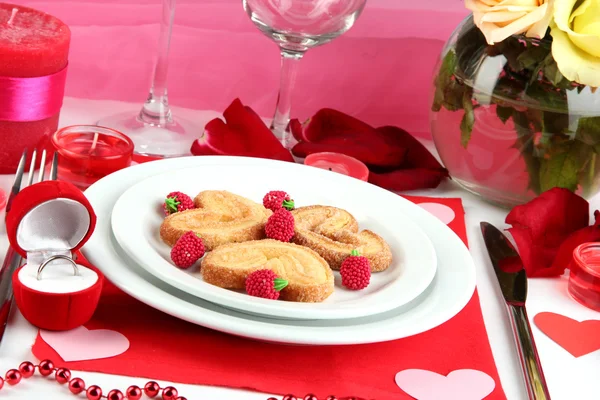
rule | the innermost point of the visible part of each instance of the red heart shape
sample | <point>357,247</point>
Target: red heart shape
<point>578,338</point>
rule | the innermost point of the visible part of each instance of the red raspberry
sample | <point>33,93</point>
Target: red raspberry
<point>176,202</point>
<point>280,225</point>
<point>188,249</point>
<point>276,199</point>
<point>356,271</point>
<point>264,283</point>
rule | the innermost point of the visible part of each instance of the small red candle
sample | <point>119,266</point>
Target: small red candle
<point>87,153</point>
<point>584,278</point>
<point>339,163</point>
<point>32,44</point>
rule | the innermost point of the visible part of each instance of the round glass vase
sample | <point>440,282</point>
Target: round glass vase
<point>505,122</point>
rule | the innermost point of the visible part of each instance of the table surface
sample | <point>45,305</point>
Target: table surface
<point>544,295</point>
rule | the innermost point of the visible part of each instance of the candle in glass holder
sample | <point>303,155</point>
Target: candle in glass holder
<point>339,163</point>
<point>584,278</point>
<point>34,50</point>
<point>88,153</point>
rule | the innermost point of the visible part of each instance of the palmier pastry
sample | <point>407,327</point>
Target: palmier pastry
<point>221,217</point>
<point>333,233</point>
<point>309,277</point>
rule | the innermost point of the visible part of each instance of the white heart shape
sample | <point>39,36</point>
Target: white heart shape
<point>81,344</point>
<point>462,384</point>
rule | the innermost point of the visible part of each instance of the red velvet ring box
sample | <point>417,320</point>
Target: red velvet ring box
<point>48,222</point>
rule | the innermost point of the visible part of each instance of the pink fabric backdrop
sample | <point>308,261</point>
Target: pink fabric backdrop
<point>380,71</point>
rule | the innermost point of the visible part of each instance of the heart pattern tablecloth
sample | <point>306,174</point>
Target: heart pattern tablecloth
<point>165,348</point>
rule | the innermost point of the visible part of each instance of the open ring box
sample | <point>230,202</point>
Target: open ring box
<point>47,224</point>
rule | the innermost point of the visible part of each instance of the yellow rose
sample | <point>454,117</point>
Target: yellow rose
<point>576,40</point>
<point>499,19</point>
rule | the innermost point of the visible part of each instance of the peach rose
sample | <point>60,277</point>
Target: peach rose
<point>499,19</point>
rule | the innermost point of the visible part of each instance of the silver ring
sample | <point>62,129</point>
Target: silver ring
<point>52,258</point>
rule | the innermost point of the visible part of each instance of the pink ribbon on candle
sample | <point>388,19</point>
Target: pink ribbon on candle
<point>31,99</point>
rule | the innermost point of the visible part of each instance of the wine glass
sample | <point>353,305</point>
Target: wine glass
<point>154,130</point>
<point>296,26</point>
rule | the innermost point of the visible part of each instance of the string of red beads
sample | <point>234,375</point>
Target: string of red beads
<point>77,385</point>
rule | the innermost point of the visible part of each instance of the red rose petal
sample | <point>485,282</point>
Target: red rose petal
<point>327,122</point>
<point>408,179</point>
<point>384,157</point>
<point>243,134</point>
<point>565,251</point>
<point>541,226</point>
<point>417,155</point>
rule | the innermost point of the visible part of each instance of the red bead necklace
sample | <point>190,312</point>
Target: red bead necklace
<point>77,385</point>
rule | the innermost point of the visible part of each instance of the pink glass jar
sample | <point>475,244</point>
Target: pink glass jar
<point>584,279</point>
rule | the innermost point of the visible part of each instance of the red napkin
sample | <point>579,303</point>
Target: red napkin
<point>165,348</point>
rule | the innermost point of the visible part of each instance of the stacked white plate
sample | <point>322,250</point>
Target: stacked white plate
<point>430,280</point>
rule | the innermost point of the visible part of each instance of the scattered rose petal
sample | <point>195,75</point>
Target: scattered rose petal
<point>408,179</point>
<point>396,160</point>
<point>243,133</point>
<point>565,251</point>
<point>540,227</point>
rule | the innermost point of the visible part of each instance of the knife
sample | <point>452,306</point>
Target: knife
<point>513,284</point>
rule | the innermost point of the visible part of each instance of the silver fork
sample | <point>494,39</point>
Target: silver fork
<point>12,260</point>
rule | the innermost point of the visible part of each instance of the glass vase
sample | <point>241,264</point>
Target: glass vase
<point>506,123</point>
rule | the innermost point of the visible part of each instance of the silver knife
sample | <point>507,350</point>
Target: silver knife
<point>513,284</point>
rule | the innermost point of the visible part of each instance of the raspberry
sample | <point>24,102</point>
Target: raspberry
<point>276,199</point>
<point>176,202</point>
<point>280,225</point>
<point>264,283</point>
<point>188,249</point>
<point>356,271</point>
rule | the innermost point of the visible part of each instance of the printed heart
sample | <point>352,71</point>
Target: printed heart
<point>462,384</point>
<point>82,344</point>
<point>578,338</point>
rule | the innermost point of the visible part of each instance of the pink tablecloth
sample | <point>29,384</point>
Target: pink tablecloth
<point>380,71</point>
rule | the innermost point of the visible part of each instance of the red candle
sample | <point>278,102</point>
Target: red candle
<point>584,278</point>
<point>87,153</point>
<point>32,44</point>
<point>339,163</point>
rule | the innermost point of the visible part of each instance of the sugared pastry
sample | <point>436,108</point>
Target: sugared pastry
<point>309,277</point>
<point>220,217</point>
<point>333,233</point>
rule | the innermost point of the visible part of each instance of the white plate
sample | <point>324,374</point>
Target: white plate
<point>137,216</point>
<point>449,292</point>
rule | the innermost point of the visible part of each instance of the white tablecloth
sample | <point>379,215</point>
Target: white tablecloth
<point>568,378</point>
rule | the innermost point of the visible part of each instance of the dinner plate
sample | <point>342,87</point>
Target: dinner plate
<point>449,292</point>
<point>137,217</point>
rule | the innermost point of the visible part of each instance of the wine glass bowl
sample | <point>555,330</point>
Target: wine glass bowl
<point>298,25</point>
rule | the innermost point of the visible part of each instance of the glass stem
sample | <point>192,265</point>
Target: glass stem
<point>290,61</point>
<point>156,110</point>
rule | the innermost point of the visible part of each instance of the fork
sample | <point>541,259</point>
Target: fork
<point>12,260</point>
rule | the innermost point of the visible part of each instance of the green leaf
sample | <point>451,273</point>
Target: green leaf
<point>280,284</point>
<point>561,167</point>
<point>288,204</point>
<point>444,80</point>
<point>552,73</point>
<point>523,126</point>
<point>172,204</point>
<point>504,113</point>
<point>533,56</point>
<point>588,131</point>
<point>468,120</point>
